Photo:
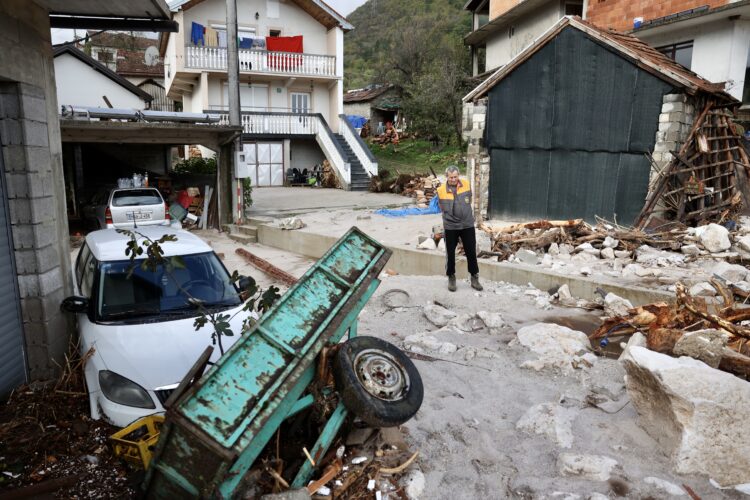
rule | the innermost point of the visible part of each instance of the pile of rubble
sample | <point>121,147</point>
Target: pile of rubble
<point>422,188</point>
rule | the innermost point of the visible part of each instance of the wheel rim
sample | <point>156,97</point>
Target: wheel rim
<point>381,375</point>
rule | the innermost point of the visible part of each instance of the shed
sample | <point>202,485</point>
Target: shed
<point>379,103</point>
<point>572,120</point>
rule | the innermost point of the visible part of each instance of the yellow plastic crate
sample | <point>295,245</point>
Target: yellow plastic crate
<point>136,442</point>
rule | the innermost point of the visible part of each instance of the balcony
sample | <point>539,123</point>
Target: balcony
<point>262,61</point>
<point>269,123</point>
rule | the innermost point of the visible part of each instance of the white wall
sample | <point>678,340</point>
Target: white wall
<point>292,21</point>
<point>501,48</point>
<point>357,108</point>
<point>79,84</point>
<point>305,154</point>
<point>720,50</point>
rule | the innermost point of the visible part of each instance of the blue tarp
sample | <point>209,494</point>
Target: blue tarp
<point>356,121</point>
<point>403,212</point>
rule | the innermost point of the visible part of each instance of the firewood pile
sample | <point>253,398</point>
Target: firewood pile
<point>704,182</point>
<point>421,187</point>
<point>329,178</point>
<point>714,331</point>
<point>604,238</point>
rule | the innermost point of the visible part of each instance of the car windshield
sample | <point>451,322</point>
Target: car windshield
<point>136,197</point>
<point>203,280</point>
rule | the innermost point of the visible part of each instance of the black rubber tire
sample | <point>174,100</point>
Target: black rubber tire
<point>370,409</point>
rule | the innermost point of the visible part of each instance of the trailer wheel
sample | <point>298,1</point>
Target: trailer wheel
<point>377,382</point>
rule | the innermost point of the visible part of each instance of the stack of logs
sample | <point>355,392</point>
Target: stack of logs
<point>539,235</point>
<point>421,187</point>
<point>720,339</point>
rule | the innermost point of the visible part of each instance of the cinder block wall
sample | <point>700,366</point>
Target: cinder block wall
<point>675,122</point>
<point>477,156</point>
<point>32,154</point>
<point>619,14</point>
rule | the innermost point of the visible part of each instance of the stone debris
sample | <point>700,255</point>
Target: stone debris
<point>438,315</point>
<point>591,467</point>
<point>426,243</point>
<point>550,420</point>
<point>702,290</point>
<point>291,223</point>
<point>527,257</point>
<point>493,321</point>
<point>665,486</point>
<point>614,305</point>
<point>413,483</point>
<point>423,342</point>
<point>714,238</point>
<point>705,345</point>
<point>558,347</point>
<point>690,408</point>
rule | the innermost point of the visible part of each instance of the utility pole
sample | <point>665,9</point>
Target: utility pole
<point>235,115</point>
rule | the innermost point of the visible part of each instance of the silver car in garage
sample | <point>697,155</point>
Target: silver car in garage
<point>133,207</point>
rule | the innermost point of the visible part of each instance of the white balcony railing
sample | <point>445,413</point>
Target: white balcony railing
<point>281,124</point>
<point>262,61</point>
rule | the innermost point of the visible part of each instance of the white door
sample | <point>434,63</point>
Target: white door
<point>300,104</point>
<point>266,163</point>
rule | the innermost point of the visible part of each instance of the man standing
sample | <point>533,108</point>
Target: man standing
<point>458,223</point>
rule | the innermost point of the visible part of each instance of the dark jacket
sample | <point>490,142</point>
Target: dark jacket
<point>456,209</point>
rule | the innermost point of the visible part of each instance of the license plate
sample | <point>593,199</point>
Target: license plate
<point>139,215</point>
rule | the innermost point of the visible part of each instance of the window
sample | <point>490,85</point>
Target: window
<point>82,256</point>
<point>274,33</point>
<point>300,102</point>
<point>682,53</point>
<point>87,280</point>
<point>136,198</point>
<point>574,9</point>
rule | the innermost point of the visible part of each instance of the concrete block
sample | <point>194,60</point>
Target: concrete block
<point>43,209</point>
<point>29,90</point>
<point>17,185</point>
<point>36,334</point>
<point>663,127</point>
<point>35,309</point>
<point>35,133</point>
<point>25,261</point>
<point>665,146</point>
<point>672,107</point>
<point>40,184</point>
<point>28,285</point>
<point>677,116</point>
<point>39,364</point>
<point>20,211</point>
<point>26,235</point>
<point>14,158</point>
<point>34,108</point>
<point>661,137</point>
<point>9,106</point>
<point>674,136</point>
<point>11,132</point>
<point>675,98</point>
<point>50,281</point>
<point>664,118</point>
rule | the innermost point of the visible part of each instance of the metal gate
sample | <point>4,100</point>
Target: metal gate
<point>266,162</point>
<point>12,356</point>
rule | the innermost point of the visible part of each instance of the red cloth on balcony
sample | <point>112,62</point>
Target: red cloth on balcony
<point>284,44</point>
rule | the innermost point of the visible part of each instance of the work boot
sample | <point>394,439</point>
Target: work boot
<point>475,284</point>
<point>452,282</point>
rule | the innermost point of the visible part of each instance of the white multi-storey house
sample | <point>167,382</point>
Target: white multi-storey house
<point>291,83</point>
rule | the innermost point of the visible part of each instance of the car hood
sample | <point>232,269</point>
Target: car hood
<point>159,354</point>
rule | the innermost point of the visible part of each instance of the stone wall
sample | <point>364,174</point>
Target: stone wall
<point>32,153</point>
<point>675,122</point>
<point>477,156</point>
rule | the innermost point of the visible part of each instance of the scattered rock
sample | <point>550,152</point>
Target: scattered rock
<point>554,250</point>
<point>547,260</point>
<point>484,241</point>
<point>637,339</point>
<point>705,345</point>
<point>744,243</point>
<point>467,323</point>
<point>714,238</point>
<point>413,483</point>
<point>566,249</point>
<point>703,289</point>
<point>493,321</point>
<point>665,486</point>
<point>591,467</point>
<point>422,342</point>
<point>292,223</point>
<point>527,257</point>
<point>608,253</point>
<point>586,271</point>
<point>690,249</point>
<point>438,315</point>
<point>550,420</point>
<point>732,273</point>
<point>426,243</point>
<point>687,407</point>
<point>610,242</point>
<point>623,254</point>
<point>614,305</point>
<point>441,245</point>
<point>557,346</point>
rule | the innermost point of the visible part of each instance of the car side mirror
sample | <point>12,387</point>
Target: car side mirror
<point>75,304</point>
<point>243,283</point>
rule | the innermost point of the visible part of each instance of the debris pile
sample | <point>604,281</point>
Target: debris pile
<point>711,330</point>
<point>703,181</point>
<point>329,178</point>
<point>421,187</point>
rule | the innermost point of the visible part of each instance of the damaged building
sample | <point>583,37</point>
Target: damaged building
<point>578,123</point>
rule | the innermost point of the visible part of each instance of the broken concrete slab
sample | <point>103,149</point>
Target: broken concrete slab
<point>703,289</point>
<point>527,257</point>
<point>607,253</point>
<point>422,343</point>
<point>591,467</point>
<point>733,273</point>
<point>688,407</point>
<point>614,305</point>
<point>291,223</point>
<point>690,249</point>
<point>550,420</point>
<point>426,244</point>
<point>492,320</point>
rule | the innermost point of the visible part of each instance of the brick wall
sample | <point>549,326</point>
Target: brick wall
<point>32,154</point>
<point>619,14</point>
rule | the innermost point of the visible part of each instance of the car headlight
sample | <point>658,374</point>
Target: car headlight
<point>120,390</point>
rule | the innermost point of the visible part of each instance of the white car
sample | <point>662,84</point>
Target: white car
<point>130,208</point>
<point>141,327</point>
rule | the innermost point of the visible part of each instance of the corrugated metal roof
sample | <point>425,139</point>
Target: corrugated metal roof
<point>642,54</point>
<point>367,94</point>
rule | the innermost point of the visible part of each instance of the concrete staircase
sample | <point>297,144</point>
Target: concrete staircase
<point>244,234</point>
<point>360,177</point>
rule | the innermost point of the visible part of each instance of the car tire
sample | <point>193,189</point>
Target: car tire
<point>377,382</point>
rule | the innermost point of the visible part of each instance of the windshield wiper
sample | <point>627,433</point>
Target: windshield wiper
<point>131,312</point>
